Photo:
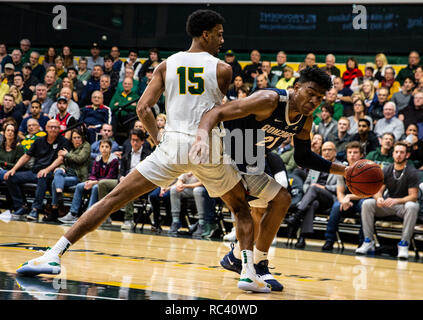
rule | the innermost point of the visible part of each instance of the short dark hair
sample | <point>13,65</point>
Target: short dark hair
<point>37,102</point>
<point>390,134</point>
<point>73,68</point>
<point>354,145</point>
<point>365,120</point>
<point>107,57</point>
<point>315,74</point>
<point>106,140</point>
<point>133,50</point>
<point>138,133</point>
<point>328,108</point>
<point>404,144</point>
<point>202,20</point>
<point>18,75</point>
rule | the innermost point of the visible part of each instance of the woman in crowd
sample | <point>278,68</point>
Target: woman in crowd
<point>153,58</point>
<point>59,63</point>
<point>381,63</point>
<point>49,57</point>
<point>352,72</point>
<point>389,82</point>
<point>233,89</point>
<point>105,166</point>
<point>17,96</point>
<point>68,83</point>
<point>412,137</point>
<point>10,150</point>
<point>73,170</point>
<point>68,59</point>
<point>359,112</point>
<point>287,80</point>
<point>368,94</point>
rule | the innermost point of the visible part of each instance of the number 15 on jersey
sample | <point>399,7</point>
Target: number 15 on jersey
<point>194,77</point>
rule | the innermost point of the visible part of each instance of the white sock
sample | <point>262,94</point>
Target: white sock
<point>237,251</point>
<point>247,260</point>
<point>60,247</point>
<point>259,255</point>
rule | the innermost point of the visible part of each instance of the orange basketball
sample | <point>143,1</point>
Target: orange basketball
<point>364,178</point>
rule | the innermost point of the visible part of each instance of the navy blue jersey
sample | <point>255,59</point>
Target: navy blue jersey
<point>260,137</point>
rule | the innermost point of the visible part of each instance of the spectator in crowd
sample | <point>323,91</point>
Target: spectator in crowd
<point>287,80</point>
<point>123,105</point>
<point>344,96</point>
<point>45,152</point>
<point>390,82</point>
<point>73,107</point>
<point>376,110</point>
<point>4,88</point>
<point>253,69</point>
<point>413,113</point>
<point>73,170</point>
<point>233,62</point>
<point>266,67</point>
<point>133,63</point>
<point>347,203</point>
<point>10,150</point>
<point>25,48</point>
<point>17,60</point>
<point>108,69</point>
<point>330,65</point>
<point>327,125</point>
<point>402,183</point>
<point>243,91</point>
<point>105,166</point>
<point>153,57</point>
<point>402,98</point>
<point>68,83</point>
<point>9,110</point>
<point>389,123</point>
<point>64,117</point>
<point>137,85</point>
<point>38,70</point>
<point>419,86</point>
<point>408,71</point>
<point>95,58</point>
<point>34,132</point>
<point>381,63</point>
<point>418,74</point>
<point>357,83</point>
<point>78,86</point>
<point>340,138</point>
<point>367,138</point>
<point>4,57</point>
<point>277,71</point>
<point>232,93</point>
<point>106,89</point>
<point>52,84</point>
<point>84,73</point>
<point>286,152</point>
<point>3,125</point>
<point>383,155</point>
<point>68,59</point>
<point>30,81</point>
<point>106,132</point>
<point>310,60</point>
<point>148,143</point>
<point>319,193</point>
<point>17,97</point>
<point>260,82</point>
<point>316,147</point>
<point>92,84</point>
<point>188,186</point>
<point>49,57</point>
<point>128,163</point>
<point>36,113</point>
<point>95,115</point>
<point>368,94</point>
<point>115,54</point>
<point>416,146</point>
<point>351,72</point>
<point>41,96</point>
<point>359,113</point>
<point>59,63</point>
<point>9,73</point>
<point>155,197</point>
<point>329,99</point>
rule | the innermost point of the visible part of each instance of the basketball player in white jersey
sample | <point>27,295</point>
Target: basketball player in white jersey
<point>193,81</point>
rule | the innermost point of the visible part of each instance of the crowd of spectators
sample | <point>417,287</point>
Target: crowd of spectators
<point>71,121</point>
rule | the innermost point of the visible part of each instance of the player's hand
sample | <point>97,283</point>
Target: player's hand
<point>345,172</point>
<point>199,152</point>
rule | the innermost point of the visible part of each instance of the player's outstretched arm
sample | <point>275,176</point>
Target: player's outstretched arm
<point>306,158</point>
<point>149,98</point>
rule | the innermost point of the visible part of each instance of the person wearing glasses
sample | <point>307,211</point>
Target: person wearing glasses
<point>45,153</point>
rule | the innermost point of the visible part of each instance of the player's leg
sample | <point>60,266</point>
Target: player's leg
<point>130,188</point>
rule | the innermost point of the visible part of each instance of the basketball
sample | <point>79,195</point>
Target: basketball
<point>364,178</point>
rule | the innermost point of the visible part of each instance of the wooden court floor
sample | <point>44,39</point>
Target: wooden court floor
<point>110,264</point>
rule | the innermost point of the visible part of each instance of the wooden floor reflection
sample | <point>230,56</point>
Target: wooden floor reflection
<point>125,265</point>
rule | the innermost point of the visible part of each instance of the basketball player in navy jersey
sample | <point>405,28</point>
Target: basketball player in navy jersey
<point>194,82</point>
<point>280,115</point>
